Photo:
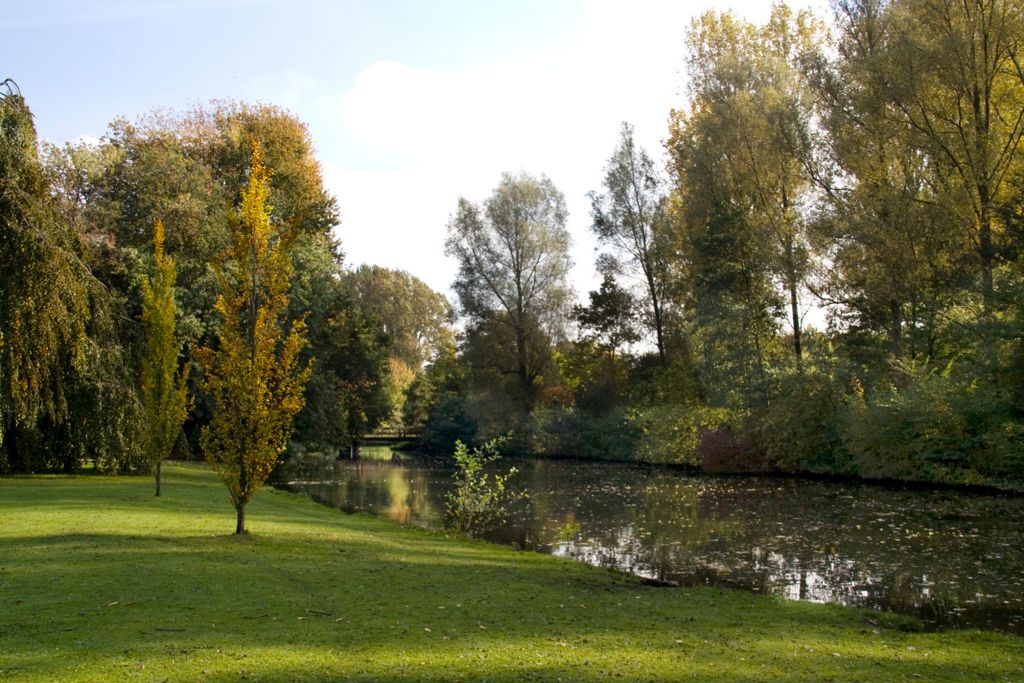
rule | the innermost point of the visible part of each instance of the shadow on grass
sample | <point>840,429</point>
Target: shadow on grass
<point>315,594</point>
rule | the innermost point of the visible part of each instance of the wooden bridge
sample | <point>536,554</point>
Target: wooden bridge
<point>380,436</point>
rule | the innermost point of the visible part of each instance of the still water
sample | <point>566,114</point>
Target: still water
<point>948,557</point>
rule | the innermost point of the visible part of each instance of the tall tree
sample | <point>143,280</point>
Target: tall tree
<point>892,252</point>
<point>752,107</point>
<point>513,255</point>
<point>253,375</point>
<point>956,79</point>
<point>346,392</point>
<point>164,388</point>
<point>46,295</point>
<point>630,217</point>
<point>186,170</point>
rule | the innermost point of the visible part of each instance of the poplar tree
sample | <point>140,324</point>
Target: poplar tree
<point>252,374</point>
<point>164,390</point>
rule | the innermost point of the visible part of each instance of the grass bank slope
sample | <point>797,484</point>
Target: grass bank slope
<point>99,580</point>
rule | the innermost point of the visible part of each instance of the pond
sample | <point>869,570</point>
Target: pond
<point>949,557</point>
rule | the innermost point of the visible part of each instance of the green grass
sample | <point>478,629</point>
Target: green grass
<point>99,580</point>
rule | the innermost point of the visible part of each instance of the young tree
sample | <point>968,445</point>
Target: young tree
<point>609,320</point>
<point>253,375</point>
<point>164,390</point>
<point>513,255</point>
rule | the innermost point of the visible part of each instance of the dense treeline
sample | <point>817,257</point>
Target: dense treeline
<point>79,228</point>
<point>825,275</point>
<point>870,179</point>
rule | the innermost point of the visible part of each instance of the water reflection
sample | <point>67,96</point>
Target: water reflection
<point>949,557</point>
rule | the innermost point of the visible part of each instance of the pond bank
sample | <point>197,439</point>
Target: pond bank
<point>99,580</point>
<point>950,558</point>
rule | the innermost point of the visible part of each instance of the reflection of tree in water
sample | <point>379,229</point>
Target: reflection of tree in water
<point>946,556</point>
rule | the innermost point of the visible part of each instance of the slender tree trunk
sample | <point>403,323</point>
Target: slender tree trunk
<point>986,254</point>
<point>159,464</point>
<point>659,332</point>
<point>523,371</point>
<point>243,486</point>
<point>896,329</point>
<point>795,310</point>
<point>792,283</point>
<point>240,521</point>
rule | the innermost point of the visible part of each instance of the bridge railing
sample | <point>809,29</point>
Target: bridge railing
<point>392,434</point>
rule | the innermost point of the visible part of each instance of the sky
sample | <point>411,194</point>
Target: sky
<point>411,104</point>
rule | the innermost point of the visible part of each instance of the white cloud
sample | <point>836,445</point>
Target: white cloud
<point>447,134</point>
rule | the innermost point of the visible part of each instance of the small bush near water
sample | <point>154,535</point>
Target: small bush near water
<point>480,499</point>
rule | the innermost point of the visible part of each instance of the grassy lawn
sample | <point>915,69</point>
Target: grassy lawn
<point>99,580</point>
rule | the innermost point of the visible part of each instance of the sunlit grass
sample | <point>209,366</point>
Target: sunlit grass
<point>99,580</point>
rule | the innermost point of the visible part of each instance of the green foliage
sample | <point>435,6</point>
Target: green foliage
<point>45,292</point>
<point>346,393</point>
<point>253,376</point>
<point>575,433</point>
<point>799,428</point>
<point>928,426</point>
<point>480,500</point>
<point>610,317</point>
<point>630,218</point>
<point>164,388</point>
<point>513,256</point>
<point>672,433</point>
<point>415,320</point>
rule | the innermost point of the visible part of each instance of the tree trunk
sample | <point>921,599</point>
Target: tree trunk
<point>896,329</point>
<point>656,305</point>
<point>240,523</point>
<point>159,463</point>
<point>986,254</point>
<point>523,371</point>
<point>795,310</point>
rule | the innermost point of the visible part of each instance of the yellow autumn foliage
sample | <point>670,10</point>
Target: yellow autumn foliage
<point>164,390</point>
<point>252,374</point>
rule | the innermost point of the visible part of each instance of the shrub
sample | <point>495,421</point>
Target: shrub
<point>723,450</point>
<point>672,433</point>
<point>798,430</point>
<point>917,431</point>
<point>480,500</point>
<point>575,433</point>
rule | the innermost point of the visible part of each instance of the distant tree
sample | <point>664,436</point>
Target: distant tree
<point>630,216</point>
<point>346,395</point>
<point>610,319</point>
<point>164,389</point>
<point>416,319</point>
<point>253,375</point>
<point>513,255</point>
